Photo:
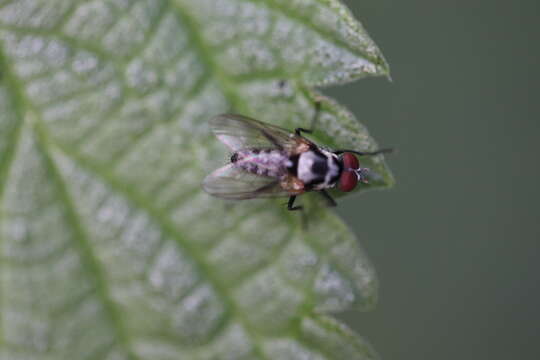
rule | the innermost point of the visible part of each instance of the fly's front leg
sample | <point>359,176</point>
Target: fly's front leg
<point>329,200</point>
<point>364,153</point>
<point>314,121</point>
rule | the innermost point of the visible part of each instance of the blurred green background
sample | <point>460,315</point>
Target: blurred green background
<point>456,243</point>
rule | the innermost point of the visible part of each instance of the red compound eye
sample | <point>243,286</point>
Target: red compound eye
<point>350,161</point>
<point>347,180</point>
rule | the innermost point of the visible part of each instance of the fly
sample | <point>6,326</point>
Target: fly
<point>269,161</point>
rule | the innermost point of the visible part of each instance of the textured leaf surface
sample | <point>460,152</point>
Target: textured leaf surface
<point>108,247</point>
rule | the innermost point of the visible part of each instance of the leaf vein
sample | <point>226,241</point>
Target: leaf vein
<point>139,138</point>
<point>309,24</point>
<point>90,259</point>
<point>8,160</point>
<point>149,34</point>
<point>141,202</point>
<point>204,52</point>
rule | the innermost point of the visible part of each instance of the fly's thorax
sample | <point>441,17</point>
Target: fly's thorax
<point>264,162</point>
<point>292,185</point>
<point>318,169</point>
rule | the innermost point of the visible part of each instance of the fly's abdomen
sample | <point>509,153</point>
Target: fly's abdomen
<point>263,162</point>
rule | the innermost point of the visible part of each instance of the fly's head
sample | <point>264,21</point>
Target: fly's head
<point>352,173</point>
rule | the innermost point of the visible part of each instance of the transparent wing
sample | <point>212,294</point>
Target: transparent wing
<point>229,182</point>
<point>240,132</point>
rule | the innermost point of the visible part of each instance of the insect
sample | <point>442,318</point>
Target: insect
<point>269,161</point>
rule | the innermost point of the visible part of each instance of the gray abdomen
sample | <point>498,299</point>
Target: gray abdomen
<point>263,162</point>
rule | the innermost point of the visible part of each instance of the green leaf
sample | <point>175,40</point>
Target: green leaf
<point>108,247</point>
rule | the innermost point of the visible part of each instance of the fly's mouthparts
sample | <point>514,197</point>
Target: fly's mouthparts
<point>362,174</point>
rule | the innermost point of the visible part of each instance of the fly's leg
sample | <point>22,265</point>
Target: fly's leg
<point>272,140</point>
<point>364,153</point>
<point>290,204</point>
<point>314,121</point>
<point>329,200</point>
<point>290,207</point>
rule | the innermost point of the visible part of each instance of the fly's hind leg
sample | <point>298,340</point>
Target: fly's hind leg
<point>290,204</point>
<point>291,207</point>
<point>314,121</point>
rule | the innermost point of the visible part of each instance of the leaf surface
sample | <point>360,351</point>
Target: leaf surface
<point>108,247</point>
